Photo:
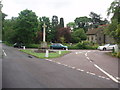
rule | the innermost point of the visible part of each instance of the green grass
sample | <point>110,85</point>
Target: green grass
<point>114,54</point>
<point>42,55</point>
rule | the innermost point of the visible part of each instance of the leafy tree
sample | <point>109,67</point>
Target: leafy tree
<point>118,34</point>
<point>8,30</point>
<point>26,27</point>
<point>78,35</point>
<point>55,21</point>
<point>115,10</point>
<point>82,22</point>
<point>113,29</point>
<point>96,20</point>
<point>63,35</point>
<point>71,25</point>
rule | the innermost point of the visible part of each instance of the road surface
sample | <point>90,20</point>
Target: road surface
<point>22,71</point>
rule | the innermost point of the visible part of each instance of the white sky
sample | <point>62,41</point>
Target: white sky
<point>68,9</point>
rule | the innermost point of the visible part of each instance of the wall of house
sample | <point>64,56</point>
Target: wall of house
<point>91,38</point>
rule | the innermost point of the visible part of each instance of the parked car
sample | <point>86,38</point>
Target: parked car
<point>106,47</point>
<point>58,46</point>
<point>18,45</point>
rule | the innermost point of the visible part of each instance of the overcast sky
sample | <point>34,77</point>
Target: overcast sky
<point>68,9</point>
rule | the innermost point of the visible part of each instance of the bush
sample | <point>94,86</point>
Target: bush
<point>118,55</point>
<point>32,46</point>
<point>83,45</point>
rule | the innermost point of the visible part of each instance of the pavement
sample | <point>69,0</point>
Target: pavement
<point>73,70</point>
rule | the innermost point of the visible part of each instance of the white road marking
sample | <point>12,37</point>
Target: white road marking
<point>117,78</point>
<point>86,54</point>
<point>110,76</point>
<point>79,69</point>
<point>88,58</point>
<point>91,61</point>
<point>88,72</point>
<point>88,51</point>
<point>64,64</point>
<point>4,53</point>
<point>58,62</point>
<point>73,67</point>
<point>76,52</point>
<point>92,73</point>
<point>82,70</point>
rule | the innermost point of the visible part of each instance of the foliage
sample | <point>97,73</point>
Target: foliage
<point>63,33</point>
<point>83,45</point>
<point>8,32</point>
<point>32,46</point>
<point>115,10</point>
<point>113,29</point>
<point>82,22</point>
<point>78,35</point>
<point>26,26</point>
<point>61,22</point>
<point>96,20</point>
<point>71,25</point>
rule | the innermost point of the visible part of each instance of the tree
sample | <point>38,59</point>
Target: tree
<point>82,22</point>
<point>61,22</point>
<point>8,31</point>
<point>113,30</point>
<point>78,35</point>
<point>26,27</point>
<point>71,25</point>
<point>55,21</point>
<point>115,10</point>
<point>63,35</point>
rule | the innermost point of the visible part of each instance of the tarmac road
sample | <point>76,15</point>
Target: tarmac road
<point>21,71</point>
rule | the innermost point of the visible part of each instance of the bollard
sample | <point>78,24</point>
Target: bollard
<point>66,48</point>
<point>59,52</point>
<point>24,47</point>
<point>47,53</point>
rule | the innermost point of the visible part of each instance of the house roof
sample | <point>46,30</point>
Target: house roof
<point>95,30</point>
<point>92,31</point>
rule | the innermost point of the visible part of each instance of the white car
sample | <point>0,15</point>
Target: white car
<point>106,47</point>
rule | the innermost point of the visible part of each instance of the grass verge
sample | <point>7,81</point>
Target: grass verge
<point>42,55</point>
<point>114,54</point>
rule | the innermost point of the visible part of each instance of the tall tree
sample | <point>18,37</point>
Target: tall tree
<point>26,26</point>
<point>113,29</point>
<point>8,30</point>
<point>83,22</point>
<point>54,21</point>
<point>115,10</point>
<point>96,20</point>
<point>61,22</point>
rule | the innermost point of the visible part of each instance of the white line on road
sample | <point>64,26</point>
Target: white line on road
<point>88,58</point>
<point>76,53</point>
<point>4,53</point>
<point>110,76</point>
<point>86,54</point>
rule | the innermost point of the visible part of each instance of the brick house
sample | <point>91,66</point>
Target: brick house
<point>97,35</point>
